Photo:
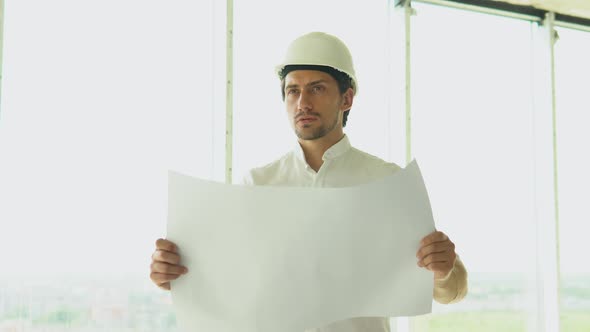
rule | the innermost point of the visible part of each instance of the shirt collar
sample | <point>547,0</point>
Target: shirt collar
<point>337,149</point>
<point>333,152</point>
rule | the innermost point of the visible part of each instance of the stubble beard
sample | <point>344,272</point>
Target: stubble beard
<point>317,133</point>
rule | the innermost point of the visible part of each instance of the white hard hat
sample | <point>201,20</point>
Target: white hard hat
<point>320,49</point>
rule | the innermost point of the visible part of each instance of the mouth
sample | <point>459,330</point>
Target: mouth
<point>306,119</point>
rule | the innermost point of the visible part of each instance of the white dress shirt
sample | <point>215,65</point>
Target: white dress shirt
<point>343,166</point>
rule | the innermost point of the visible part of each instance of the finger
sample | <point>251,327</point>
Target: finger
<point>166,257</point>
<point>435,258</point>
<point>436,247</point>
<point>160,267</point>
<point>167,245</point>
<point>161,278</point>
<point>441,268</point>
<point>433,237</point>
<point>165,286</point>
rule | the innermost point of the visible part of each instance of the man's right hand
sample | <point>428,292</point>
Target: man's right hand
<point>165,264</point>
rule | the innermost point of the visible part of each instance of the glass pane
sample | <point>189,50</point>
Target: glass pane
<point>572,52</point>
<point>472,135</point>
<point>99,100</point>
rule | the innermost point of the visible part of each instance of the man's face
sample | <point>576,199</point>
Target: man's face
<point>314,104</point>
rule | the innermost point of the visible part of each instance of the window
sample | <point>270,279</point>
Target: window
<point>472,132</point>
<point>98,102</point>
<point>572,52</point>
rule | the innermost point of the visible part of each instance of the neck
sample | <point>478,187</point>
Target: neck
<point>314,149</point>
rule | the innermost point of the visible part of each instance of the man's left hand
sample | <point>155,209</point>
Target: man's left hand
<point>437,254</point>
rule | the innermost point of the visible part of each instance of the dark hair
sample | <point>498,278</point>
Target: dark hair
<point>344,81</point>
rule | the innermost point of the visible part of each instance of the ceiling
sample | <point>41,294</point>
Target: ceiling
<point>578,8</point>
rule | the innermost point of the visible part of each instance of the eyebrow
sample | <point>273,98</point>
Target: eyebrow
<point>290,86</point>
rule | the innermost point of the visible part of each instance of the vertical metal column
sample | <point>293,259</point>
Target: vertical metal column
<point>407,23</point>
<point>550,24</point>
<point>545,179</point>
<point>403,323</point>
<point>396,82</point>
<point>408,11</point>
<point>229,93</point>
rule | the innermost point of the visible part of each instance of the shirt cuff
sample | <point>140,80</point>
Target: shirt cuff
<point>453,287</point>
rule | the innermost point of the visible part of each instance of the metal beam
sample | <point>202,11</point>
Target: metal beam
<point>229,92</point>
<point>549,22</point>
<point>408,10</point>
<point>492,7</point>
<point>545,203</point>
<point>524,12</point>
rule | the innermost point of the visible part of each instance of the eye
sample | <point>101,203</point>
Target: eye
<point>317,88</point>
<point>292,91</point>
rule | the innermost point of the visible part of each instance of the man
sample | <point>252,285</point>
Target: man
<point>318,85</point>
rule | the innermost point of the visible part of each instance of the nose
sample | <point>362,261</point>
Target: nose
<point>304,103</point>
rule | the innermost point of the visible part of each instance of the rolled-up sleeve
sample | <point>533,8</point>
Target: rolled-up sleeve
<point>453,287</point>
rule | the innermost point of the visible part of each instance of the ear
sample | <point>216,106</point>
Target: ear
<point>347,99</point>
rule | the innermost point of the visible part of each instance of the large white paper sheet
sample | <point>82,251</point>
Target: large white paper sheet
<point>268,259</point>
